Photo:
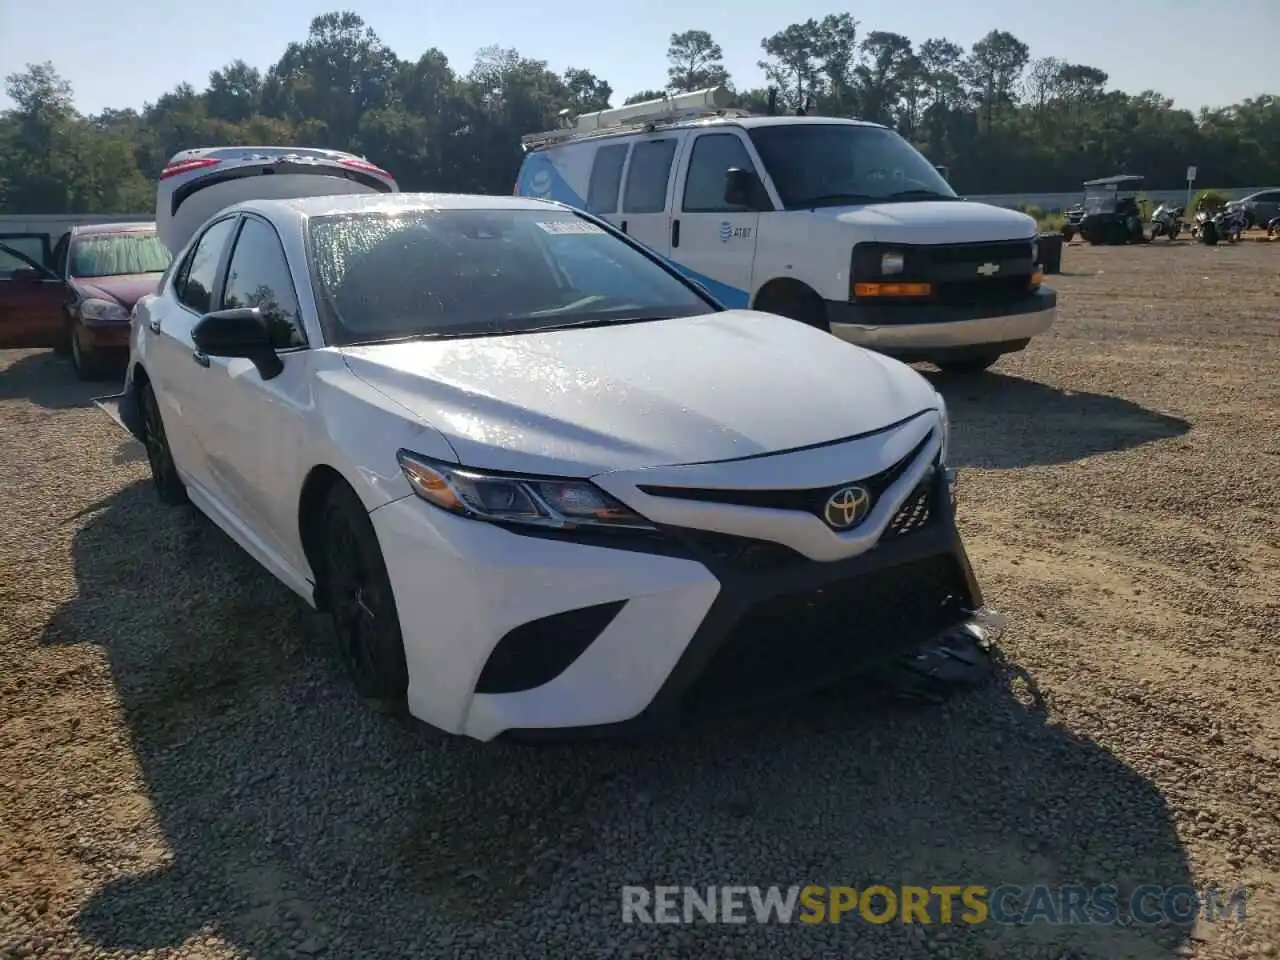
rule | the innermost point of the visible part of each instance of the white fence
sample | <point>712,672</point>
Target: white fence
<point>56,224</point>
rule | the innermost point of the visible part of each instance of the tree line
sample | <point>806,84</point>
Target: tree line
<point>1002,121</point>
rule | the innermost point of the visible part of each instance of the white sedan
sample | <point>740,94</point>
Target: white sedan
<point>538,478</point>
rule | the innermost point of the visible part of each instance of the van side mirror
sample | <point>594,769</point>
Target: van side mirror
<point>740,188</point>
<point>240,332</point>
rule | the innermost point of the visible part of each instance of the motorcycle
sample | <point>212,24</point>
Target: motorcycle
<point>1166,221</point>
<point>1227,224</point>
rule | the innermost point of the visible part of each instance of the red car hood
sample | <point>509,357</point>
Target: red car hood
<point>126,290</point>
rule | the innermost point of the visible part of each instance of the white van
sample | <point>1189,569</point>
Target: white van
<point>197,183</point>
<point>836,223</point>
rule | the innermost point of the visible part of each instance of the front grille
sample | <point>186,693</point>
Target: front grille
<point>916,511</point>
<point>805,500</point>
<point>802,640</point>
<point>978,253</point>
<point>985,290</point>
<point>739,554</point>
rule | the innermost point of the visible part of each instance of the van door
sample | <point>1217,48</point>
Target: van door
<point>645,213</point>
<point>714,242</point>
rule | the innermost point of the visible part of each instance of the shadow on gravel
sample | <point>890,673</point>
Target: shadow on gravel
<point>299,823</point>
<point>1003,422</point>
<point>48,381</point>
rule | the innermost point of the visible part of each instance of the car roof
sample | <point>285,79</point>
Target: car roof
<point>304,207</point>
<point>90,229</point>
<point>701,123</point>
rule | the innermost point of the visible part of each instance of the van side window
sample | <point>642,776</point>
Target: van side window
<point>647,178</point>
<point>258,276</point>
<point>195,284</point>
<point>713,154</point>
<point>606,179</point>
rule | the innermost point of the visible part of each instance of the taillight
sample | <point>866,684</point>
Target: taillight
<point>366,166</point>
<point>186,166</point>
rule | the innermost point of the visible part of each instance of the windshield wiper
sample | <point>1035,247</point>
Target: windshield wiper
<point>922,194</point>
<point>593,322</point>
<point>836,198</point>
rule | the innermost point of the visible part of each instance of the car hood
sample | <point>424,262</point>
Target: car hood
<point>125,290</point>
<point>688,390</point>
<point>932,221</point>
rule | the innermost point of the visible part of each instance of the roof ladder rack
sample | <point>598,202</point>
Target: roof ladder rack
<point>711,102</point>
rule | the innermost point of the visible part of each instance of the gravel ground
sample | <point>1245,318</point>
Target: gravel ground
<point>185,774</point>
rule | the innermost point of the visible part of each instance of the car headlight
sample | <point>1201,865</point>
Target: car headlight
<point>1035,252</point>
<point>891,263</point>
<point>552,502</point>
<point>94,309</point>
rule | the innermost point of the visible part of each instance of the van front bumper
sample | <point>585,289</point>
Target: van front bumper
<point>931,331</point>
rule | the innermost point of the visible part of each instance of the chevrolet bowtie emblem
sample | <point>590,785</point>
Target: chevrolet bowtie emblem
<point>989,269</point>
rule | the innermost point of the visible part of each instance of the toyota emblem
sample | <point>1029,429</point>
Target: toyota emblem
<point>847,507</point>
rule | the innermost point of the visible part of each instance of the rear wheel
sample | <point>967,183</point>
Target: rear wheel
<point>968,364</point>
<point>795,302</point>
<point>357,594</point>
<point>164,474</point>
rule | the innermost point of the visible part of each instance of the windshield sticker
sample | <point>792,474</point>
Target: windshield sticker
<point>569,228</point>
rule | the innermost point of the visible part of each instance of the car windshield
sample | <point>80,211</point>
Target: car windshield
<point>1100,200</point>
<point>830,164</point>
<point>454,273</point>
<point>118,254</point>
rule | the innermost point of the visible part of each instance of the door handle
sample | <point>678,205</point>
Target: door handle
<point>200,358</point>
<point>675,233</point>
<point>154,324</point>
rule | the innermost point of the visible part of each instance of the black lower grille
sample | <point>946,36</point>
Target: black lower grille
<point>916,511</point>
<point>994,290</point>
<point>740,554</point>
<point>802,640</point>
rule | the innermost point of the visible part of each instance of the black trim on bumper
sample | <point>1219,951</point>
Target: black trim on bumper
<point>910,313</point>
<point>537,652</point>
<point>745,591</point>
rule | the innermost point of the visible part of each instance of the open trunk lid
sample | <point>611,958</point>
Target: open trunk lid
<point>199,183</point>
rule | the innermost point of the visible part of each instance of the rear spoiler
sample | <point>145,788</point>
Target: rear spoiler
<point>358,171</point>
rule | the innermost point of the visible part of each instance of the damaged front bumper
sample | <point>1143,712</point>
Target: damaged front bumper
<point>122,408</point>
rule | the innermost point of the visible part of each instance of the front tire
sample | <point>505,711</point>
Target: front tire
<point>796,303</point>
<point>968,364</point>
<point>164,473</point>
<point>357,594</point>
<point>88,364</point>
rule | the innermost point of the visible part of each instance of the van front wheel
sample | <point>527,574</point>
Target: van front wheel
<point>795,302</point>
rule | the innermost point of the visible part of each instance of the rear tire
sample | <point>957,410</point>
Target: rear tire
<point>797,303</point>
<point>164,473</point>
<point>357,594</point>
<point>968,364</point>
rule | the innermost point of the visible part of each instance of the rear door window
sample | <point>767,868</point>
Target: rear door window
<point>606,179</point>
<point>33,245</point>
<point>648,176</point>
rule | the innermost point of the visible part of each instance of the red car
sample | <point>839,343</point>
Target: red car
<point>81,304</point>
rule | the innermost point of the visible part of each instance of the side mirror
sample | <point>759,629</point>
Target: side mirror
<point>240,332</point>
<point>944,172</point>
<point>739,188</point>
<point>27,275</point>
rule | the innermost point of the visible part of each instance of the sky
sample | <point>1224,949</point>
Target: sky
<point>127,54</point>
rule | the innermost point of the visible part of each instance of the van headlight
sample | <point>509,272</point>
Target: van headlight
<point>1035,252</point>
<point>554,502</point>
<point>892,263</point>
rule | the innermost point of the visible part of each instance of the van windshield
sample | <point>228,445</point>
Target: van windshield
<point>835,164</point>
<point>455,273</point>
